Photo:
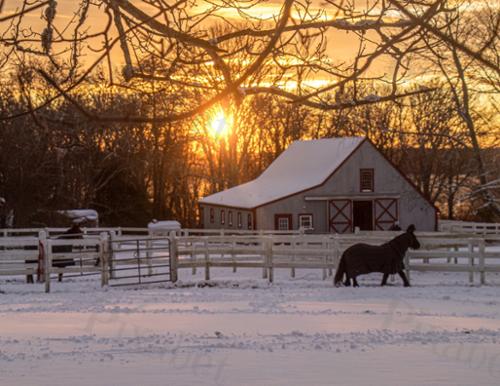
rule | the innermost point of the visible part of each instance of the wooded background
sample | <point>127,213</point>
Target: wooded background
<point>110,104</point>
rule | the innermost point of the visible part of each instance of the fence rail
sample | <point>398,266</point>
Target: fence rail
<point>479,228</point>
<point>110,253</point>
<point>439,252</point>
<point>50,232</point>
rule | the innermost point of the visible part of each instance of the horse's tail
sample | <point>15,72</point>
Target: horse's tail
<point>340,272</point>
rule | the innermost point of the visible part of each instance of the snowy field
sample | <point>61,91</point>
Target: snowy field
<point>240,330</point>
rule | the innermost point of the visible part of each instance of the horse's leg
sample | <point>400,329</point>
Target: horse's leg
<point>347,281</point>
<point>384,279</point>
<point>402,274</point>
<point>355,282</point>
<point>60,276</point>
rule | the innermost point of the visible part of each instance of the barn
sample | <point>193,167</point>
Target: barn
<point>323,186</point>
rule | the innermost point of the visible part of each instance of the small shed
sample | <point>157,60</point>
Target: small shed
<point>79,216</point>
<point>324,186</point>
<point>163,228</point>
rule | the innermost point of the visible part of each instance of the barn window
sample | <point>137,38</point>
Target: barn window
<point>212,216</point>
<point>283,222</point>
<point>306,221</point>
<point>230,218</point>
<point>249,221</point>
<point>366,183</point>
<point>222,216</point>
<point>239,219</point>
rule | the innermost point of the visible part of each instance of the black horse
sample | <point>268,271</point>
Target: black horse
<point>387,258</point>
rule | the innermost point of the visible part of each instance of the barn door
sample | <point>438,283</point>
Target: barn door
<point>340,216</point>
<point>386,213</point>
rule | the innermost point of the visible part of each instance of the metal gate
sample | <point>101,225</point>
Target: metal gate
<point>139,261</point>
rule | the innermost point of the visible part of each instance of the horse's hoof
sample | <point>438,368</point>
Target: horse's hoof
<point>407,285</point>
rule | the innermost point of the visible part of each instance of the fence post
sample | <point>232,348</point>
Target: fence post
<point>172,244</point>
<point>263,241</point>
<point>471,262</point>
<point>207,260</point>
<point>407,265</point>
<point>331,260</point>
<point>47,249</point>
<point>481,261</point>
<point>192,257</point>
<point>111,262</point>
<point>149,246</point>
<point>324,246</point>
<point>103,258</point>
<point>336,256</point>
<point>269,258</point>
<point>233,245</point>
<point>42,240</point>
<point>294,246</point>
<point>222,234</point>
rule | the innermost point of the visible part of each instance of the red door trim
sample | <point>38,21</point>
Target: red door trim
<point>337,224</point>
<point>392,203</point>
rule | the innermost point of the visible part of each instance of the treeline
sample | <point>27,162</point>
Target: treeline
<point>59,157</point>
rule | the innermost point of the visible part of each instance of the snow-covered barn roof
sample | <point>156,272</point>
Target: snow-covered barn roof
<point>304,165</point>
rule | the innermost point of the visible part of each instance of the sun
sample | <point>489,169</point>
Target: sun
<point>219,124</point>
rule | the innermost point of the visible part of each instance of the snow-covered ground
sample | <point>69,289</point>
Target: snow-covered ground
<point>239,330</point>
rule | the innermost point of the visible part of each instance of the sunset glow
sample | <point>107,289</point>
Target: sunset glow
<point>190,190</point>
<point>219,124</point>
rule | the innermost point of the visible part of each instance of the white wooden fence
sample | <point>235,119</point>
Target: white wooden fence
<point>130,231</point>
<point>85,256</point>
<point>41,256</point>
<point>439,252</point>
<point>478,228</point>
<point>50,232</point>
<point>19,255</point>
<point>443,252</point>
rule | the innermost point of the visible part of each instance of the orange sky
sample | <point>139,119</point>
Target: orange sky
<point>342,45</point>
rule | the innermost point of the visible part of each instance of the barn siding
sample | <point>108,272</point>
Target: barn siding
<point>413,208</point>
<point>217,224</point>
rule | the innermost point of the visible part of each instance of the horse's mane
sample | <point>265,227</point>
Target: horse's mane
<point>399,244</point>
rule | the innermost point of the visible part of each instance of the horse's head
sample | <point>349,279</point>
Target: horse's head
<point>410,231</point>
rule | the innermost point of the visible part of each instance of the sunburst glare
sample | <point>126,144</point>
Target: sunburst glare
<point>219,125</point>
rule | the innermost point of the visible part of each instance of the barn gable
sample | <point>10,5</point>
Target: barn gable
<point>331,205</point>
